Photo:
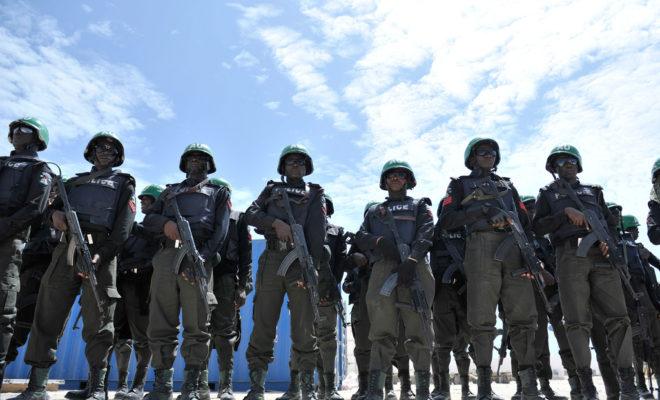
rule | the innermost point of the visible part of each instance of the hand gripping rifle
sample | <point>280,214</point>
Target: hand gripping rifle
<point>300,252</point>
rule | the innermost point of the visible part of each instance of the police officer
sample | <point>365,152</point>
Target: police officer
<point>232,283</point>
<point>399,222</point>
<point>104,201</point>
<point>268,215</point>
<point>24,188</point>
<point>476,201</point>
<point>643,312</point>
<point>584,280</point>
<point>653,220</point>
<point>206,207</point>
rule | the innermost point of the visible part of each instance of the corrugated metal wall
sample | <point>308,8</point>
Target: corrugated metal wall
<point>72,366</point>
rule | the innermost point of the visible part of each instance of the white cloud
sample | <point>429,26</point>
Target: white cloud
<point>272,105</point>
<point>86,8</point>
<point>73,98</point>
<point>251,16</point>
<point>101,28</point>
<point>261,78</point>
<point>246,59</point>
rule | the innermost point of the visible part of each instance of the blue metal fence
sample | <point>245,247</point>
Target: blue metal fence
<point>72,366</point>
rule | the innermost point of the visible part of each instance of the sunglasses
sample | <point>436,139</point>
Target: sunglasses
<point>295,162</point>
<point>486,153</point>
<point>106,148</point>
<point>560,162</point>
<point>23,130</point>
<point>397,174</point>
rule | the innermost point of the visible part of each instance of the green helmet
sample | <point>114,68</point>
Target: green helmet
<point>527,198</point>
<point>473,145</point>
<point>221,182</point>
<point>295,149</point>
<point>329,205</point>
<point>199,148</point>
<point>42,131</point>
<point>629,221</point>
<point>655,169</point>
<point>151,190</point>
<point>567,150</point>
<point>397,164</point>
<point>611,204</point>
<point>89,152</point>
<point>369,205</point>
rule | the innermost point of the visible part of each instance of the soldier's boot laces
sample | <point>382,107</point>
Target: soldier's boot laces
<point>363,378</point>
<point>225,391</point>
<point>257,384</point>
<point>406,386</point>
<point>441,391</point>
<point>137,389</point>
<point>484,377</point>
<point>375,385</point>
<point>627,388</point>
<point>576,390</point>
<point>466,393</point>
<point>162,385</point>
<point>122,385</point>
<point>330,387</point>
<point>293,392</point>
<point>307,389</point>
<point>422,382</point>
<point>547,391</point>
<point>528,381</point>
<point>518,393</point>
<point>190,388</point>
<point>203,385</point>
<point>36,389</point>
<point>643,390</point>
<point>79,393</point>
<point>320,391</point>
<point>587,384</point>
<point>389,386</point>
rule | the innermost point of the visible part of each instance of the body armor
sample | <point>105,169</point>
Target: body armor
<point>15,176</point>
<point>484,192</point>
<point>404,212</point>
<point>97,201</point>
<point>198,208</point>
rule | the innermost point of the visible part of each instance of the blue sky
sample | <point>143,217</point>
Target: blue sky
<point>358,82</point>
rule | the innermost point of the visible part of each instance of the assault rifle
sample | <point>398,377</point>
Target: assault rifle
<point>418,302</point>
<point>300,252</point>
<point>197,270</point>
<point>532,265</point>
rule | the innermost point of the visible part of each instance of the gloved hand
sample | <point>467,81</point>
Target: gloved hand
<point>406,271</point>
<point>497,217</point>
<point>388,248</point>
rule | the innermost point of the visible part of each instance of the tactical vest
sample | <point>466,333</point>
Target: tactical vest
<point>635,265</point>
<point>300,199</point>
<point>559,200</point>
<point>15,180</point>
<point>484,192</point>
<point>230,253</point>
<point>97,201</point>
<point>197,207</point>
<point>404,212</point>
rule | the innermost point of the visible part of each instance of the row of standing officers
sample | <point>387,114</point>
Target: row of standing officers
<point>476,219</point>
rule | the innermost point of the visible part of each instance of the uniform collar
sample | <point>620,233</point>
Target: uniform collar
<point>24,153</point>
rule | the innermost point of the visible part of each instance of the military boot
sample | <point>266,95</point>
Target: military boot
<point>435,377</point>
<point>375,385</point>
<point>363,378</point>
<point>2,374</point>
<point>162,385</point>
<point>225,391</point>
<point>190,387</point>
<point>36,389</point>
<point>441,391</point>
<point>643,390</point>
<point>330,387</point>
<point>80,393</point>
<point>137,389</point>
<point>293,392</point>
<point>406,388</point>
<point>466,393</point>
<point>307,389</point>
<point>518,393</point>
<point>611,382</point>
<point>389,386</point>
<point>484,377</point>
<point>627,388</point>
<point>122,385</point>
<point>96,384</point>
<point>203,385</point>
<point>320,392</point>
<point>547,391</point>
<point>257,384</point>
<point>587,384</point>
<point>576,391</point>
<point>528,381</point>
<point>422,383</point>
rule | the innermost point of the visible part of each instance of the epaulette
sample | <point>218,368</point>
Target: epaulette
<point>126,175</point>
<point>592,186</point>
<point>314,185</point>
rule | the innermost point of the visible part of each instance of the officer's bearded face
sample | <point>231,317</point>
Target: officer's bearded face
<point>145,203</point>
<point>485,156</point>
<point>396,180</point>
<point>566,167</point>
<point>22,136</point>
<point>197,163</point>
<point>295,166</point>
